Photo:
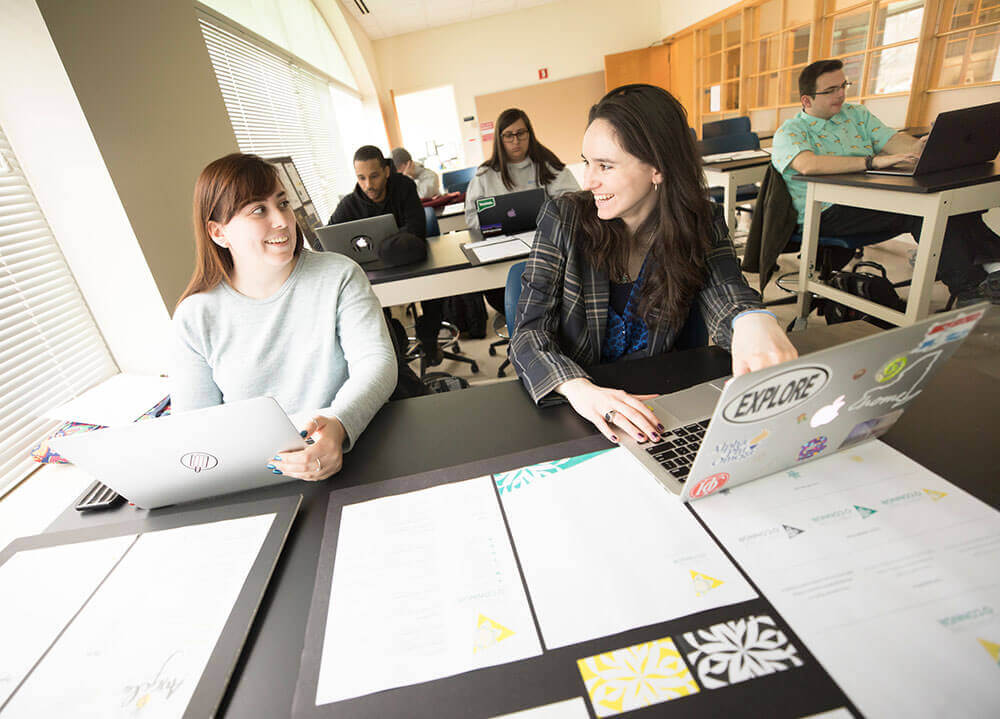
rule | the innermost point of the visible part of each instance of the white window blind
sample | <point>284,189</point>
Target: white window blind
<point>278,106</point>
<point>50,347</point>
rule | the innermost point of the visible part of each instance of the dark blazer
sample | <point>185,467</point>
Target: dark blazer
<point>563,310</point>
<point>774,222</point>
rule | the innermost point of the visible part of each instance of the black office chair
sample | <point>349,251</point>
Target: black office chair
<point>732,126</point>
<point>431,223</point>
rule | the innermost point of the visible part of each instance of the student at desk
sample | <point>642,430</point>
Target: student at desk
<point>615,269</point>
<point>261,316</point>
<point>381,190</point>
<point>519,162</point>
<point>830,136</point>
<point>428,183</point>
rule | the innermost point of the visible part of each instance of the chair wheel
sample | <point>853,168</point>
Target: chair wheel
<point>493,351</point>
<point>456,348</point>
<point>475,368</point>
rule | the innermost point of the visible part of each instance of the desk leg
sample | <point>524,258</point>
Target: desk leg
<point>807,266</point>
<point>928,254</point>
<point>729,202</point>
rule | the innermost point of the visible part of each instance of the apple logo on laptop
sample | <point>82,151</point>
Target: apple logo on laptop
<point>825,415</point>
<point>512,212</point>
<point>197,461</point>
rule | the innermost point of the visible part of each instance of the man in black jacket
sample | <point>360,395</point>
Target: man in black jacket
<point>381,191</point>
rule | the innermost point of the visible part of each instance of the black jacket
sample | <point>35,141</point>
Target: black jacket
<point>774,222</point>
<point>401,200</point>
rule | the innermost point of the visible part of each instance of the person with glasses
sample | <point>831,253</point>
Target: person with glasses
<point>628,266</point>
<point>519,162</point>
<point>830,136</point>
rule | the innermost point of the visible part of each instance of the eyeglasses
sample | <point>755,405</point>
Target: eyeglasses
<point>836,88</point>
<point>510,137</point>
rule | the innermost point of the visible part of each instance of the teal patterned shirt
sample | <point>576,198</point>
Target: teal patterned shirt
<point>853,131</point>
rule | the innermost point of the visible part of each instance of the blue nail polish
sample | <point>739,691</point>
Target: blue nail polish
<point>310,441</point>
<point>303,433</point>
<point>271,466</point>
<point>276,471</point>
<point>276,458</point>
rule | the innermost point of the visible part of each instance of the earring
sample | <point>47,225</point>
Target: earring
<point>656,187</point>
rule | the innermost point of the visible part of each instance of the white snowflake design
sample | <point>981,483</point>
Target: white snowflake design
<point>732,652</point>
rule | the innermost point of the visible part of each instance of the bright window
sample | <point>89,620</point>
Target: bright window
<point>968,48</point>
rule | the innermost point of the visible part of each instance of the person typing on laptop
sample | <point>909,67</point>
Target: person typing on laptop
<point>830,136</point>
<point>263,316</point>
<point>616,269</point>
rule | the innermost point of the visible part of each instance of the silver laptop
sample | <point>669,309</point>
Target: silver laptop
<point>959,138</point>
<point>188,456</point>
<point>722,434</point>
<point>359,239</point>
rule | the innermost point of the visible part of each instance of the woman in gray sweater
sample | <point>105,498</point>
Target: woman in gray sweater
<point>264,316</point>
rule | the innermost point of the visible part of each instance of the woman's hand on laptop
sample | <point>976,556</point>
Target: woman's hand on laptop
<point>324,455</point>
<point>610,408</point>
<point>759,342</point>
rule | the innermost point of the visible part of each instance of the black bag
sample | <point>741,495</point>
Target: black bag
<point>874,287</point>
<point>467,312</point>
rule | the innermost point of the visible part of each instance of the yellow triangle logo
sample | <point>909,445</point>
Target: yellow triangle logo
<point>703,583</point>
<point>935,495</point>
<point>993,649</point>
<point>489,633</point>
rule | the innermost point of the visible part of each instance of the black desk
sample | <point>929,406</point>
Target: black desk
<point>492,428</point>
<point>934,197</point>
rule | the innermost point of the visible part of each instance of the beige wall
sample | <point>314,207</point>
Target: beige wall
<point>145,83</point>
<point>492,54</point>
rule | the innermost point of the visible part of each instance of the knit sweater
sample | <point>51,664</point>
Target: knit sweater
<point>319,345</point>
<point>489,183</point>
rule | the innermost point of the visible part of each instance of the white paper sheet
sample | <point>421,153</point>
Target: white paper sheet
<point>424,586</point>
<point>512,247</point>
<point>605,549</point>
<point>889,573</point>
<point>40,591</point>
<point>139,647</point>
<point>570,709</point>
<point>119,400</point>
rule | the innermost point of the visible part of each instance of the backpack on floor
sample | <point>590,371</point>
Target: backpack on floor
<point>868,285</point>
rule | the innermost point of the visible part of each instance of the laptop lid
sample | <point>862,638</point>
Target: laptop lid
<point>187,456</point>
<point>823,402</point>
<point>358,239</point>
<point>509,214</point>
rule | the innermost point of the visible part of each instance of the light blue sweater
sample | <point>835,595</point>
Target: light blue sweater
<point>319,345</point>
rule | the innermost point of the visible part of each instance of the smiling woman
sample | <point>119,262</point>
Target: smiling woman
<point>262,316</point>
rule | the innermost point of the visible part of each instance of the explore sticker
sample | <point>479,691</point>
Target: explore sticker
<point>485,203</point>
<point>777,394</point>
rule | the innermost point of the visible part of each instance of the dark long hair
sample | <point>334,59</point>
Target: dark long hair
<point>650,124</point>
<point>226,185</point>
<point>546,162</point>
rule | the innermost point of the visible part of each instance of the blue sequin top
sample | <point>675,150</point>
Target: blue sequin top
<point>626,332</point>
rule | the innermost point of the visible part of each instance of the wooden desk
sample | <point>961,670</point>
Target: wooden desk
<point>460,429</point>
<point>729,176</point>
<point>445,272</point>
<point>934,197</point>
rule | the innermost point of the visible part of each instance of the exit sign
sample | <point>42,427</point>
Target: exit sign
<point>543,73</point>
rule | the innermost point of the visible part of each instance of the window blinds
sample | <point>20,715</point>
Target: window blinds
<point>279,107</point>
<point>50,347</point>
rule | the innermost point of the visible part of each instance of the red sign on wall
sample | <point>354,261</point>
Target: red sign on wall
<point>543,73</point>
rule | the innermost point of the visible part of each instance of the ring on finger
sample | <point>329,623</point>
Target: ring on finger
<point>609,416</point>
<point>319,465</point>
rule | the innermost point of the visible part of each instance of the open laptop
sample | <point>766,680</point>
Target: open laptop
<point>511,214</point>
<point>722,434</point>
<point>187,456</point>
<point>959,138</point>
<point>359,239</point>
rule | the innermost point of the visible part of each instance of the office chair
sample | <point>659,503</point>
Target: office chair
<point>732,126</point>
<point>512,293</point>
<point>431,223</point>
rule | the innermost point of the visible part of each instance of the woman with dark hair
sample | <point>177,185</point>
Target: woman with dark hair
<point>263,316</point>
<point>519,162</point>
<point>617,269</point>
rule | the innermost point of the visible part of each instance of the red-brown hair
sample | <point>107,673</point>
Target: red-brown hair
<point>223,188</point>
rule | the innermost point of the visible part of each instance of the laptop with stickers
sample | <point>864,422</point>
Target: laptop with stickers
<point>187,456</point>
<point>798,411</point>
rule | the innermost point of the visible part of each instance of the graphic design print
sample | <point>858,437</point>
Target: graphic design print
<point>518,478</point>
<point>733,652</point>
<point>811,448</point>
<point>636,677</point>
<point>489,633</point>
<point>704,583</point>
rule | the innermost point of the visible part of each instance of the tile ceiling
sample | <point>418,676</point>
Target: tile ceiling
<point>386,18</point>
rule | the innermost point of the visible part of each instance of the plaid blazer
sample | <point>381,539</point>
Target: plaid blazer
<point>562,313</point>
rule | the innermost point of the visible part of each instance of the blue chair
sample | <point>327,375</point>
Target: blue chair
<point>512,294</point>
<point>457,180</point>
<point>732,126</point>
<point>431,222</point>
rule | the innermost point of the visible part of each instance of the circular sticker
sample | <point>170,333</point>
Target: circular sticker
<point>892,368</point>
<point>710,484</point>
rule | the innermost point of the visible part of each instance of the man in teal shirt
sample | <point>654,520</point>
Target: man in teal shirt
<point>830,136</point>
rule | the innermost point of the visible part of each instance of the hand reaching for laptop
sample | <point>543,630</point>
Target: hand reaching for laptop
<point>323,456</point>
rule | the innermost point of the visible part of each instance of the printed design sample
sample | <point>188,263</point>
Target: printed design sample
<point>518,478</point>
<point>636,677</point>
<point>704,583</point>
<point>812,448</point>
<point>733,652</point>
<point>489,633</point>
<point>992,648</point>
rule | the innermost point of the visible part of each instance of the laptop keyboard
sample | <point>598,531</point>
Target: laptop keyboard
<point>677,449</point>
